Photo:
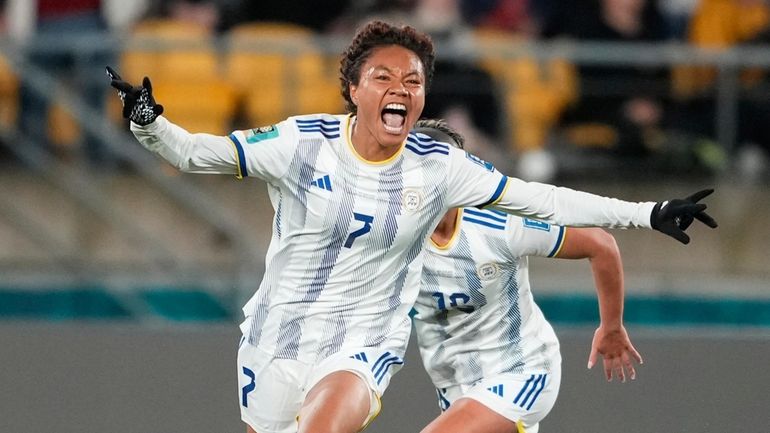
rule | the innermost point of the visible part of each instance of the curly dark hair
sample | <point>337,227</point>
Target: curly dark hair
<point>439,129</point>
<point>376,34</point>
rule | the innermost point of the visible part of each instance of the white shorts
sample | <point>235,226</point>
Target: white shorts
<point>271,391</point>
<point>521,398</point>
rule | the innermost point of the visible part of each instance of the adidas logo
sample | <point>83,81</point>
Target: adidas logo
<point>323,183</point>
<point>497,389</point>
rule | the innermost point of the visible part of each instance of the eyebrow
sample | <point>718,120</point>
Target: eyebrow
<point>388,70</point>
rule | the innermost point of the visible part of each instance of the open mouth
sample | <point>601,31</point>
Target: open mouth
<point>394,117</point>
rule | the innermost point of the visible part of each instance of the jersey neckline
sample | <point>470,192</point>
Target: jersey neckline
<point>349,138</point>
<point>455,234</point>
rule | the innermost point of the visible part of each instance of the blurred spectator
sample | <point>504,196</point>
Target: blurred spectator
<point>625,103</point>
<point>318,17</point>
<point>509,15</point>
<point>207,14</point>
<point>677,15</point>
<point>71,21</point>
<point>720,24</point>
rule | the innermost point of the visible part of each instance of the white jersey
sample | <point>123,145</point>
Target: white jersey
<point>475,316</point>
<point>344,262</point>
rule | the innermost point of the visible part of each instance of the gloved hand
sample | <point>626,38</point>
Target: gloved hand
<point>138,103</point>
<point>673,217</point>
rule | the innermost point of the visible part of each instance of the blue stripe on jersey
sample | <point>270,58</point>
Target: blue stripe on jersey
<point>540,377</point>
<point>427,152</point>
<point>379,361</point>
<point>559,242</point>
<point>426,144</point>
<point>483,223</point>
<point>497,212</point>
<point>303,122</point>
<point>486,214</point>
<point>328,134</point>
<point>498,192</point>
<point>524,389</point>
<point>278,212</point>
<point>242,172</point>
<point>319,127</point>
<point>540,389</point>
<point>328,128</point>
<point>386,366</point>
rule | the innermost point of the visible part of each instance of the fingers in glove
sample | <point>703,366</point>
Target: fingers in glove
<point>677,234</point>
<point>157,109</point>
<point>113,74</point>
<point>706,219</point>
<point>147,84</point>
<point>700,195</point>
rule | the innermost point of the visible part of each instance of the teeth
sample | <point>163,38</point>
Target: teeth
<point>395,106</point>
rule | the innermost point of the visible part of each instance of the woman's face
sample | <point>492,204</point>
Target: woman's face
<point>390,94</point>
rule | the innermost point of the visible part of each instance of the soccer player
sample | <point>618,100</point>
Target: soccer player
<point>491,354</point>
<point>355,198</point>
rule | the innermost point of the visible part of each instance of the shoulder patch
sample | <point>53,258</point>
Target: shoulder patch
<point>262,133</point>
<point>481,162</point>
<point>537,225</point>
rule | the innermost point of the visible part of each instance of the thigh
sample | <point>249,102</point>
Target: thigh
<point>363,372</point>
<point>467,415</point>
<point>270,391</point>
<point>339,402</point>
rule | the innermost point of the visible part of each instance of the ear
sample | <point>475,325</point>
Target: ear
<point>353,94</point>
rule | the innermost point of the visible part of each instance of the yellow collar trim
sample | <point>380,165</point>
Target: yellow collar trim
<point>455,234</point>
<point>349,136</point>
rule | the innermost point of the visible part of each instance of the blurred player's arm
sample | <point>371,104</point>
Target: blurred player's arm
<point>610,339</point>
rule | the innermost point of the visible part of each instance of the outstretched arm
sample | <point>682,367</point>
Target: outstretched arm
<point>194,153</point>
<point>610,339</point>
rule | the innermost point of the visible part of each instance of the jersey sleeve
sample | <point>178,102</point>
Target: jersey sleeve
<point>530,237</point>
<point>262,152</point>
<point>567,207</point>
<point>472,182</point>
<point>265,152</point>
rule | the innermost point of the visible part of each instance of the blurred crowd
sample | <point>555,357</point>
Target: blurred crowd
<point>538,117</point>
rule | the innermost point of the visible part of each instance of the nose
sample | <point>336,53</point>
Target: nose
<point>398,89</point>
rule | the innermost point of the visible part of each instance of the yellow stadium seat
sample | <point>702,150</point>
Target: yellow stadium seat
<point>63,130</point>
<point>170,50</point>
<point>290,77</point>
<point>207,107</point>
<point>717,25</point>
<point>9,95</point>
<point>536,92</point>
<point>184,66</point>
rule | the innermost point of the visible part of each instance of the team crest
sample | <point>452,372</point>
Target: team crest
<point>262,133</point>
<point>412,199</point>
<point>488,271</point>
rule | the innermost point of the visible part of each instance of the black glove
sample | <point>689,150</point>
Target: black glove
<point>675,216</point>
<point>138,104</point>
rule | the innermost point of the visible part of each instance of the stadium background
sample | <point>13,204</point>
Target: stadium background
<point>121,280</point>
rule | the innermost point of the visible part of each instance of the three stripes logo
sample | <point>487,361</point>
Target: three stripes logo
<point>361,356</point>
<point>324,182</point>
<point>497,389</point>
<point>530,391</point>
<point>382,365</point>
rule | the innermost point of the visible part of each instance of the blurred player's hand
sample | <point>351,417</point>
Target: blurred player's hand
<point>673,217</point>
<point>617,351</point>
<point>138,103</point>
